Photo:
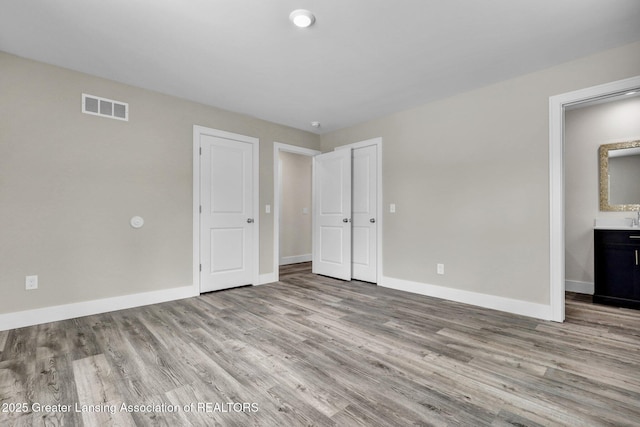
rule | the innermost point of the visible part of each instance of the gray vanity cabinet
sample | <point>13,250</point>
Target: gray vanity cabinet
<point>617,267</point>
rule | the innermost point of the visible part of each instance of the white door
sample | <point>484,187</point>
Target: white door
<point>226,222</point>
<point>364,208</point>
<point>332,214</point>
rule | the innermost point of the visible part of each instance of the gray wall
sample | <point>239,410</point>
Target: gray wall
<point>470,178</point>
<point>70,182</point>
<point>585,130</point>
<point>469,175</point>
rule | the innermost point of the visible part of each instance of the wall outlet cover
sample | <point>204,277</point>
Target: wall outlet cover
<point>31,282</point>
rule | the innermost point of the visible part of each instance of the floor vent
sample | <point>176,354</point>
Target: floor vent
<point>105,107</point>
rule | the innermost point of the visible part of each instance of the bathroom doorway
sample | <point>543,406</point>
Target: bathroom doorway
<point>557,106</point>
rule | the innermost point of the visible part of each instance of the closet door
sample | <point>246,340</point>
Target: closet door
<point>332,214</point>
<point>364,217</point>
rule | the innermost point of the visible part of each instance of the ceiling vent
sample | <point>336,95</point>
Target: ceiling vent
<point>104,107</point>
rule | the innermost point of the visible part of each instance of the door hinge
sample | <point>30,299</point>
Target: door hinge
<point>200,208</point>
<point>200,267</point>
<point>201,151</point>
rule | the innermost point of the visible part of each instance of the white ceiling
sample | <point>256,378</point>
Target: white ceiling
<point>361,60</point>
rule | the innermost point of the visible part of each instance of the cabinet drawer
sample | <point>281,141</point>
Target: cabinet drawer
<point>622,237</point>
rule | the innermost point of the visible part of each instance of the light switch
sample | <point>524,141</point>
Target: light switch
<point>392,208</point>
<point>267,208</point>
<point>305,211</point>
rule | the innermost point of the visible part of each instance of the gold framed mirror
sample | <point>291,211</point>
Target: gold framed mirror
<point>620,176</point>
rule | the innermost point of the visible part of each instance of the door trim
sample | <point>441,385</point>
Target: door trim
<point>557,105</point>
<point>277,178</point>
<point>197,132</point>
<point>379,208</point>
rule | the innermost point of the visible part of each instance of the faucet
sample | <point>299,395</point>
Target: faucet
<point>635,222</point>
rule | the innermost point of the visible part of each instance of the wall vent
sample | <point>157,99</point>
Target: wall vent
<point>105,107</point>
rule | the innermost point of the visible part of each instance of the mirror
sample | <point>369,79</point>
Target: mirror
<point>620,176</point>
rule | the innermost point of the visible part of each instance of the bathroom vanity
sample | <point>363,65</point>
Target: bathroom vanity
<point>617,240</point>
<point>617,266</point>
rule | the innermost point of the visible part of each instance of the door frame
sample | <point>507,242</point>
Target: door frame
<point>379,208</point>
<point>255,152</point>
<point>277,180</point>
<point>557,105</point>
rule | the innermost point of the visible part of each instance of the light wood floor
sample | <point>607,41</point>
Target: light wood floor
<point>310,350</point>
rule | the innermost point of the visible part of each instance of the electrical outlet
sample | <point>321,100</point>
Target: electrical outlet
<point>31,282</point>
<point>440,268</point>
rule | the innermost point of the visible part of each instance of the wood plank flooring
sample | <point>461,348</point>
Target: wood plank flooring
<point>310,350</point>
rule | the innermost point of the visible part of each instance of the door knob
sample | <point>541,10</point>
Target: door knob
<point>345,220</point>
<point>250,220</point>
<point>372,220</point>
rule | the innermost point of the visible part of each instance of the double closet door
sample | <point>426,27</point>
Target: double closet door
<point>345,223</point>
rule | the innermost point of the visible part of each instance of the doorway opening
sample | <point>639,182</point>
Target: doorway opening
<point>284,192</point>
<point>372,217</point>
<point>557,105</point>
<point>295,208</point>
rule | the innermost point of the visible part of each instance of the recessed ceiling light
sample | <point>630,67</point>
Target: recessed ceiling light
<point>302,18</point>
<point>315,124</point>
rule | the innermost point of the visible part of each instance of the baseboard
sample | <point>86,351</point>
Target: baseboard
<point>579,287</point>
<point>524,308</point>
<point>38,316</point>
<point>286,260</point>
<point>267,278</point>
